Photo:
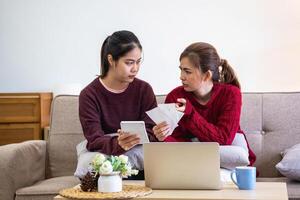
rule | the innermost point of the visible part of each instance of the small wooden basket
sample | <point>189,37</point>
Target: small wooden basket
<point>129,191</point>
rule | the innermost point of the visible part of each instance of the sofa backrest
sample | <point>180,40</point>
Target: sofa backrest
<point>270,121</point>
<point>65,133</point>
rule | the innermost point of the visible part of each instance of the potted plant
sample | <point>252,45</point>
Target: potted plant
<point>110,170</point>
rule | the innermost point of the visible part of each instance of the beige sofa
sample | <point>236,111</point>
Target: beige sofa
<point>39,169</point>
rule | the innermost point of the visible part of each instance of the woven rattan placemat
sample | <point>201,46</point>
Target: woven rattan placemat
<point>129,191</point>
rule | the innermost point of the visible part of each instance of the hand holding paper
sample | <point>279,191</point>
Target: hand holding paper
<point>167,113</point>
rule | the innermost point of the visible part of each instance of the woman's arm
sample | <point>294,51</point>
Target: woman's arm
<point>89,114</point>
<point>227,124</point>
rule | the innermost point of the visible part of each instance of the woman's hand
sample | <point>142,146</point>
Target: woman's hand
<point>127,140</point>
<point>161,131</point>
<point>180,105</point>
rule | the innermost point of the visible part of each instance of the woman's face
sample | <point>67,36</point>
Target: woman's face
<point>127,67</point>
<point>191,77</point>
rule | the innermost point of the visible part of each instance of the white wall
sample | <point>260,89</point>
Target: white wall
<point>48,44</point>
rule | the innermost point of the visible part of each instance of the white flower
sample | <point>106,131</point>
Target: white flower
<point>102,165</point>
<point>129,167</point>
<point>129,171</point>
<point>123,159</point>
<point>99,159</point>
<point>106,168</point>
<point>134,172</point>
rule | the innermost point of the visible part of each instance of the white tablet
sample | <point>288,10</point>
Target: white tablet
<point>137,127</point>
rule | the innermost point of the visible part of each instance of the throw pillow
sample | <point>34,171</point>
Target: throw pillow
<point>85,157</point>
<point>239,140</point>
<point>289,166</point>
<point>233,156</point>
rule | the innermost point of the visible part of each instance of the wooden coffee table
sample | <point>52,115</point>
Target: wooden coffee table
<point>263,191</point>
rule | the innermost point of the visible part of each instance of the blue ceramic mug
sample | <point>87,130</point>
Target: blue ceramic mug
<point>245,177</point>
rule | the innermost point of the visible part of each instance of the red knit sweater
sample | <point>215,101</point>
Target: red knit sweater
<point>217,121</point>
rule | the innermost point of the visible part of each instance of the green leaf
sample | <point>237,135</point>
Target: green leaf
<point>116,165</point>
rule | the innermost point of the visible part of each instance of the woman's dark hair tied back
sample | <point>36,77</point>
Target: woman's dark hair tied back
<point>117,45</point>
<point>228,75</point>
<point>221,61</point>
<point>104,60</point>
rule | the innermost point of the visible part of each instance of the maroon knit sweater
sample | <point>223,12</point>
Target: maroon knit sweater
<point>101,111</point>
<point>217,121</point>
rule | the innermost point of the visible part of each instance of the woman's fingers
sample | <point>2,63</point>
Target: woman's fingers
<point>181,100</point>
<point>131,141</point>
<point>124,135</point>
<point>180,105</point>
<point>160,125</point>
<point>128,140</point>
<point>161,131</point>
<point>164,134</point>
<point>164,129</point>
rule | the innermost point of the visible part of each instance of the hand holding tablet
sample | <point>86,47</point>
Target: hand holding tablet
<point>136,127</point>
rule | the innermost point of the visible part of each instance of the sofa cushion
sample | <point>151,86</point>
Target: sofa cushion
<point>289,166</point>
<point>46,189</point>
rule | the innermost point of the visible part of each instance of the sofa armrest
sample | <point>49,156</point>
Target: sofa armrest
<point>21,165</point>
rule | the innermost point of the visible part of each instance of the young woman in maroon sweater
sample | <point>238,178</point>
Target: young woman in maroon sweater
<point>117,95</point>
<point>209,97</point>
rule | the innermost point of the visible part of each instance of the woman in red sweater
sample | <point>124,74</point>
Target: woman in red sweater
<point>209,97</point>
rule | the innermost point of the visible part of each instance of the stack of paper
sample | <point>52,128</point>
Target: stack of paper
<point>167,113</point>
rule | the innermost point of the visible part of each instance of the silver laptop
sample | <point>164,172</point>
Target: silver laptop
<point>182,165</point>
